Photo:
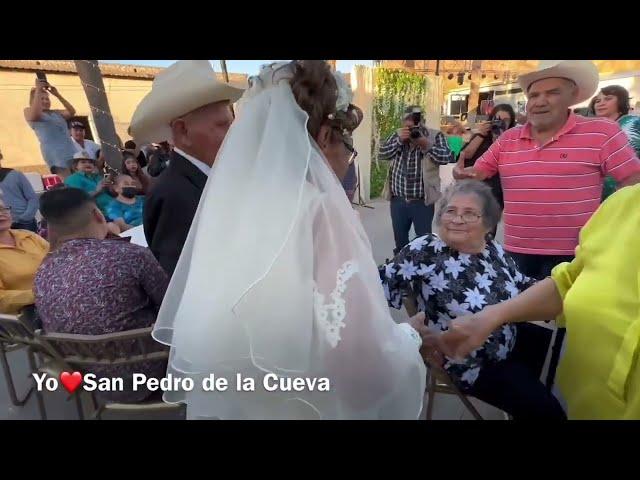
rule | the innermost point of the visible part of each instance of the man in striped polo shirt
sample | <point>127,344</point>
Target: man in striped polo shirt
<point>553,167</point>
<point>552,170</point>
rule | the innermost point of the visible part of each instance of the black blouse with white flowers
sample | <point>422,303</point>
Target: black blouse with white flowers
<point>448,284</point>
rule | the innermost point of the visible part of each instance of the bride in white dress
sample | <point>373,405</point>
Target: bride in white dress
<point>277,280</point>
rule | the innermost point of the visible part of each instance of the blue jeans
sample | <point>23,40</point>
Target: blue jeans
<point>403,214</point>
<point>31,226</point>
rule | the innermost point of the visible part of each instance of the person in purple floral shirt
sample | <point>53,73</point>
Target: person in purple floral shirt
<point>94,285</point>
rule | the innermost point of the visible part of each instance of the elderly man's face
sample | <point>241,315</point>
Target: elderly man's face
<point>201,132</point>
<point>548,101</point>
<point>77,134</point>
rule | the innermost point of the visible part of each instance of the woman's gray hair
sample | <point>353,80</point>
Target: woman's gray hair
<point>491,211</point>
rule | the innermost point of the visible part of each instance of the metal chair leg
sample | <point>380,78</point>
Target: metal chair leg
<point>39,396</point>
<point>467,403</point>
<point>13,394</point>
<point>78,401</point>
<point>431,392</point>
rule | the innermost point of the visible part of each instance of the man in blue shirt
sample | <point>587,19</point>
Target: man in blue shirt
<point>20,197</point>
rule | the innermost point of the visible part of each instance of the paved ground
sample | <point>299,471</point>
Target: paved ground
<point>378,225</point>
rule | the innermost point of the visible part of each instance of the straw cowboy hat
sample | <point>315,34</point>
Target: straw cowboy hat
<point>583,73</point>
<point>179,89</point>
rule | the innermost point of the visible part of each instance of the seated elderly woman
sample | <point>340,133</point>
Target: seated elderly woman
<point>458,272</point>
<point>21,253</point>
<point>126,209</point>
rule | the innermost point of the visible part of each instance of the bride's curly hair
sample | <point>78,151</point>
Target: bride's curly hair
<point>316,92</point>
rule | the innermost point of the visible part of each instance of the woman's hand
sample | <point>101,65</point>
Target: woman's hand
<point>54,91</point>
<point>41,86</point>
<point>484,129</point>
<point>417,322</point>
<point>430,349</point>
<point>468,333</point>
<point>461,173</point>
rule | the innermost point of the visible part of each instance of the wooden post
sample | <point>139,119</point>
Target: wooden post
<point>91,78</point>
<point>474,90</point>
<point>223,65</point>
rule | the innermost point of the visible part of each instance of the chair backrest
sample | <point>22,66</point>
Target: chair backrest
<point>16,330</point>
<point>111,349</point>
<point>51,181</point>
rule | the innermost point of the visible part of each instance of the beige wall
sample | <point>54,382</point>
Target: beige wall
<point>18,141</point>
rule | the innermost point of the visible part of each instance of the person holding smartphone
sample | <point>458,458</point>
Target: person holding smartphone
<point>86,178</point>
<point>501,119</point>
<point>50,126</point>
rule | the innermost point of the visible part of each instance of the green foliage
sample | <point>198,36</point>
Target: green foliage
<point>394,91</point>
<point>378,175</point>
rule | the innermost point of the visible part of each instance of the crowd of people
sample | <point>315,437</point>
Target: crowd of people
<point>271,270</point>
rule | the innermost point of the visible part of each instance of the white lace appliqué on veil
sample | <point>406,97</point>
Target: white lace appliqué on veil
<point>331,315</point>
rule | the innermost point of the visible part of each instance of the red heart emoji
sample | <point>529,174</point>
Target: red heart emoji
<point>71,381</point>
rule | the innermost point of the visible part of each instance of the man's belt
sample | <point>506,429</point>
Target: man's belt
<point>410,199</point>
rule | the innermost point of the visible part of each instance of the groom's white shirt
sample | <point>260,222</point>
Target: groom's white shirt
<point>203,167</point>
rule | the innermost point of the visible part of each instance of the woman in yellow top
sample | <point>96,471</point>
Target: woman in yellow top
<point>21,253</point>
<point>597,298</point>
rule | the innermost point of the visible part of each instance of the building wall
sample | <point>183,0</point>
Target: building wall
<point>18,141</point>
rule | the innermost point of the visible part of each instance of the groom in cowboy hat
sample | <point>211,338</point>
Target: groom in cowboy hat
<point>552,168</point>
<point>190,108</point>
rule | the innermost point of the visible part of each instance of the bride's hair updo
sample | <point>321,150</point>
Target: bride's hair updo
<point>315,89</point>
<point>323,95</point>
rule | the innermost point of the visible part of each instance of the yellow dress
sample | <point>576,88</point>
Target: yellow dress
<point>18,266</point>
<point>598,375</point>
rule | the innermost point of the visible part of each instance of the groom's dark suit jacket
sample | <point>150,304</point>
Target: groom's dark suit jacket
<point>169,209</point>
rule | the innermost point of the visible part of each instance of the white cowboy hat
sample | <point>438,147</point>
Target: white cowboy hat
<point>179,89</point>
<point>583,73</point>
<point>82,155</point>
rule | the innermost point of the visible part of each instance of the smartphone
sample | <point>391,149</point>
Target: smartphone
<point>42,77</point>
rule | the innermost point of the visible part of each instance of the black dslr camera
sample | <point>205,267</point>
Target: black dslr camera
<point>415,132</point>
<point>498,126</point>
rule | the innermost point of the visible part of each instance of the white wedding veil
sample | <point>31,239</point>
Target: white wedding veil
<point>277,276</point>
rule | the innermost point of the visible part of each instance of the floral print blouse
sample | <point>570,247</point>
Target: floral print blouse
<point>448,284</point>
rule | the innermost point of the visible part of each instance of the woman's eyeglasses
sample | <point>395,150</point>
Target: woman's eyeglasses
<point>5,210</point>
<point>467,217</point>
<point>352,151</point>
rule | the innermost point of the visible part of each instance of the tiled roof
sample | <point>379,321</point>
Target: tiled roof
<point>107,69</point>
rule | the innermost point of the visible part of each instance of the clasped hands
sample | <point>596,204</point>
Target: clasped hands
<point>465,334</point>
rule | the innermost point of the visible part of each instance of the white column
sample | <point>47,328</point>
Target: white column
<point>363,92</point>
<point>433,101</point>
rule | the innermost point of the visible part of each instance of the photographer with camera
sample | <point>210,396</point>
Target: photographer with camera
<point>501,119</point>
<point>413,181</point>
<point>50,126</point>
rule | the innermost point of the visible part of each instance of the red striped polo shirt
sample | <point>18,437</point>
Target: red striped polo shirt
<point>551,191</point>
